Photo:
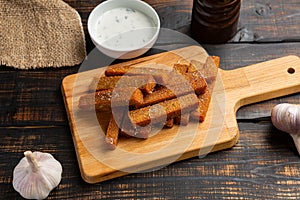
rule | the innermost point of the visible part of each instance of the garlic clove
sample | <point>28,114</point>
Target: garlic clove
<point>286,117</point>
<point>36,175</point>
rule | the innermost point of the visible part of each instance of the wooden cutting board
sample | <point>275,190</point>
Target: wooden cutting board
<point>232,90</point>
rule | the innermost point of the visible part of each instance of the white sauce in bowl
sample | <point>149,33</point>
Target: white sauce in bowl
<point>124,28</point>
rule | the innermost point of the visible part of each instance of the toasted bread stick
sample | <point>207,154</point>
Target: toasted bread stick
<point>117,70</point>
<point>173,91</point>
<point>195,66</point>
<point>181,68</point>
<point>132,130</point>
<point>182,119</point>
<point>112,134</point>
<point>216,60</point>
<point>160,75</point>
<point>146,82</point>
<point>164,94</point>
<point>104,83</point>
<point>208,69</point>
<point>169,123</point>
<point>104,99</point>
<point>163,111</point>
<point>196,80</point>
<point>200,113</point>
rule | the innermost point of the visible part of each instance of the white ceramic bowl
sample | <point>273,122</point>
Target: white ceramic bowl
<point>132,46</point>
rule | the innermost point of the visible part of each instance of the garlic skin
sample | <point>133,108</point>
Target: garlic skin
<point>286,117</point>
<point>36,175</point>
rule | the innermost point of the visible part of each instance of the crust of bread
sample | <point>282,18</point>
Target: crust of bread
<point>163,111</point>
<point>145,82</point>
<point>112,134</point>
<point>200,113</point>
<point>104,99</point>
<point>182,120</point>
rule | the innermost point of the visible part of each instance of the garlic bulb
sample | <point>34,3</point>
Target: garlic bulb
<point>36,175</point>
<point>286,117</point>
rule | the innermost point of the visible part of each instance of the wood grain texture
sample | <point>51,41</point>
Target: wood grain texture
<point>269,21</point>
<point>32,97</point>
<point>240,55</point>
<point>262,165</point>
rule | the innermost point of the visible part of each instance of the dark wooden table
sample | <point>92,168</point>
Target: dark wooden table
<point>264,164</point>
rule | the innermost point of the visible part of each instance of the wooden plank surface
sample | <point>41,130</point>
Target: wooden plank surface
<point>263,158</point>
<point>21,90</point>
<point>263,165</point>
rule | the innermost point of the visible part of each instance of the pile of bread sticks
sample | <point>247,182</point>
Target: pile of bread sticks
<point>140,98</point>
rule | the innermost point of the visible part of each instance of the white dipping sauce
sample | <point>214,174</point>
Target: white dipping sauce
<point>122,28</point>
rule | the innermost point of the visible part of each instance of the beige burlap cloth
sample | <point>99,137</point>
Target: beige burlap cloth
<point>39,34</point>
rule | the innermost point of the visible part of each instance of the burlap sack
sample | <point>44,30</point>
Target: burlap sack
<point>40,33</point>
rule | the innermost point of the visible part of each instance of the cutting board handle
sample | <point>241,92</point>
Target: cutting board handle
<point>262,81</point>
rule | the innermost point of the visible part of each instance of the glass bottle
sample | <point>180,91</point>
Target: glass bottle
<point>214,21</point>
